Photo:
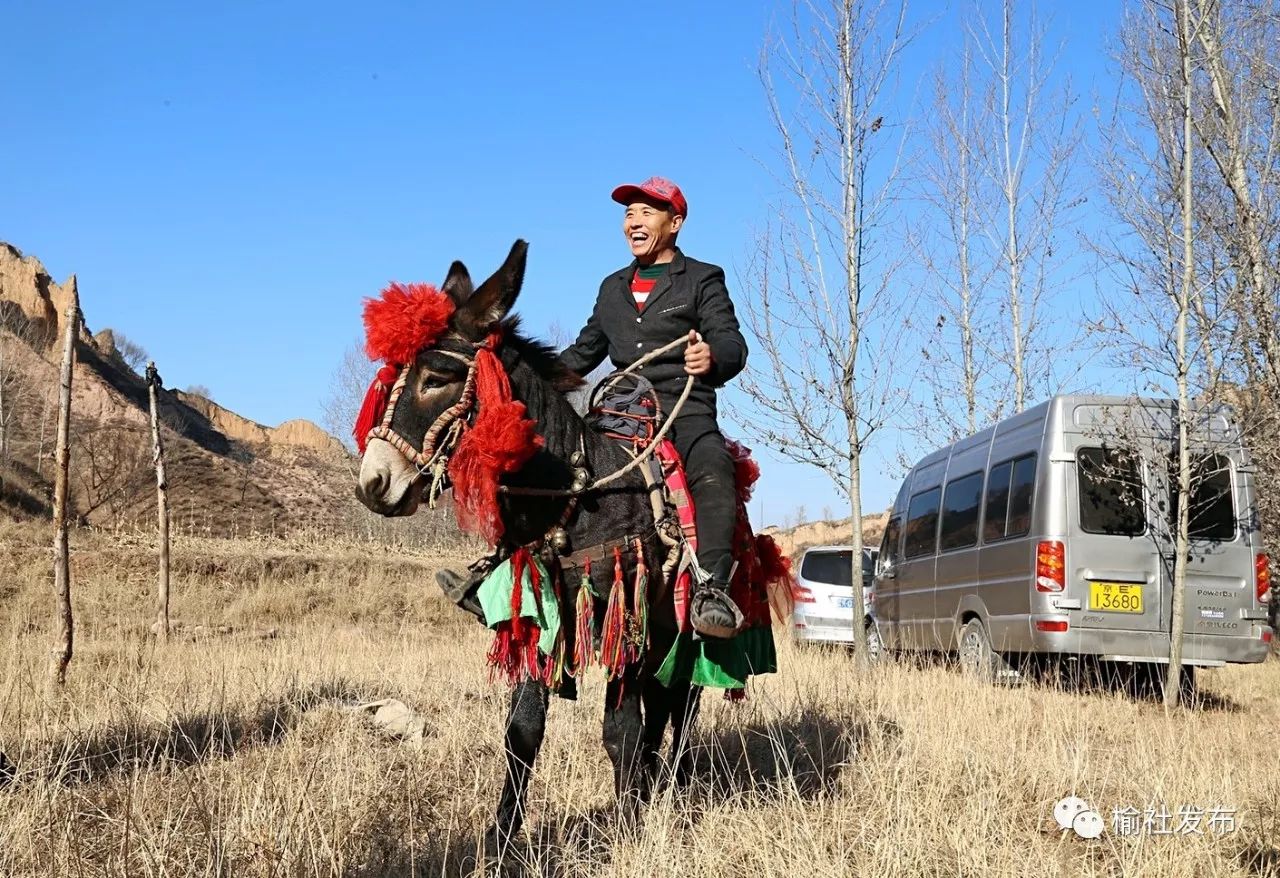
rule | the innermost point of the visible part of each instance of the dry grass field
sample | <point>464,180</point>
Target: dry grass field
<point>230,751</point>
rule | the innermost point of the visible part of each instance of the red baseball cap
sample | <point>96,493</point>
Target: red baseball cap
<point>657,188</point>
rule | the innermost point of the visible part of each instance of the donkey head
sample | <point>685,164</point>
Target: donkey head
<point>390,483</point>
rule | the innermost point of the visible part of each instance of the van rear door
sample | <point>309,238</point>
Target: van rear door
<point>1113,558</point>
<point>1220,563</point>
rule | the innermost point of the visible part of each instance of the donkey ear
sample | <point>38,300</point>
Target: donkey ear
<point>457,285</point>
<point>493,299</point>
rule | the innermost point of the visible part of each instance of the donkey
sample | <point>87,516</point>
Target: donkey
<point>637,708</point>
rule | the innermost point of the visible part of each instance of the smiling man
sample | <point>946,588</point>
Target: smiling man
<point>660,296</point>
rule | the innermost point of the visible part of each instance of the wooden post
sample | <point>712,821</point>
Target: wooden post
<point>161,625</point>
<point>61,552</point>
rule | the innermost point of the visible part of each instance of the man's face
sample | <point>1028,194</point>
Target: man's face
<point>650,228</point>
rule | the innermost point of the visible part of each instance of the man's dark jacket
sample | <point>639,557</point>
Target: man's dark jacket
<point>690,295</point>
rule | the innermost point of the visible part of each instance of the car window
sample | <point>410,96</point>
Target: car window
<point>997,508</point>
<point>1021,492</point>
<point>889,545</point>
<point>960,513</point>
<point>1213,508</point>
<point>829,567</point>
<point>922,523</point>
<point>1111,494</point>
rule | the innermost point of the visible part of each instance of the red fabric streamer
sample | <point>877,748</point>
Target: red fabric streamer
<point>514,652</point>
<point>584,646</point>
<point>404,320</point>
<point>746,472</point>
<point>375,404</point>
<point>501,441</point>
<point>775,572</point>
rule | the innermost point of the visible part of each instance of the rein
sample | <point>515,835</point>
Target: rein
<point>637,459</point>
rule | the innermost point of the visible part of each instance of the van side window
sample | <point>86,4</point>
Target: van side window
<point>960,513</point>
<point>1111,495</point>
<point>922,523</point>
<point>1010,489</point>
<point>1020,495</point>
<point>889,545</point>
<point>1213,508</point>
<point>997,509</point>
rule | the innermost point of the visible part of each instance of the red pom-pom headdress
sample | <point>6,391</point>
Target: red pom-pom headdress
<point>403,320</point>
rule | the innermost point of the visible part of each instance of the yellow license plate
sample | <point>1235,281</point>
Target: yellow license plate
<point>1115,597</point>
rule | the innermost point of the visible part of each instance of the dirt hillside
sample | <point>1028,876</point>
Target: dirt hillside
<point>795,540</point>
<point>227,474</point>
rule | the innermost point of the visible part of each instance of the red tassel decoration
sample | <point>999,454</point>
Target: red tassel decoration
<point>584,637</point>
<point>375,405</point>
<point>514,652</point>
<point>501,441</point>
<point>613,633</point>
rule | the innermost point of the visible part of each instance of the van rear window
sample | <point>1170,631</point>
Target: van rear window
<point>922,523</point>
<point>1111,495</point>
<point>1213,508</point>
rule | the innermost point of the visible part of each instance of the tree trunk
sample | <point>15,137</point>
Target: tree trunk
<point>161,624</point>
<point>61,657</point>
<point>1174,678</point>
<point>851,169</point>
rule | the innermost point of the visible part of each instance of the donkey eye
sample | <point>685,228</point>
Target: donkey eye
<point>435,382</point>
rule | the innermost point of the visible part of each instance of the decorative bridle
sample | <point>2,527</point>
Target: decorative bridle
<point>441,438</point>
<point>474,442</point>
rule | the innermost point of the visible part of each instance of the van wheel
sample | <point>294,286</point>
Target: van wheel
<point>977,659</point>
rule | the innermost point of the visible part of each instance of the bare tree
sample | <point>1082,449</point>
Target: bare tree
<point>18,338</point>
<point>997,185</point>
<point>820,275</point>
<point>1163,321</point>
<point>199,390</point>
<point>112,468</point>
<point>132,353</point>
<point>347,387</point>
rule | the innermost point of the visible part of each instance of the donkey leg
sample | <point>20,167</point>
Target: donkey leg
<point>658,701</point>
<point>685,700</point>
<point>623,741</point>
<point>526,725</point>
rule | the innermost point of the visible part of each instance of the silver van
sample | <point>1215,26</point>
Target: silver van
<point>824,594</point>
<point>1051,533</point>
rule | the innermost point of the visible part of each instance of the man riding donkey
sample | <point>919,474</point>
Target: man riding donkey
<point>664,295</point>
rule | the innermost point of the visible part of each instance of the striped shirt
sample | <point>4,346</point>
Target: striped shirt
<point>644,280</point>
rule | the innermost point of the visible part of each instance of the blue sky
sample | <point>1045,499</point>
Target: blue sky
<point>228,180</point>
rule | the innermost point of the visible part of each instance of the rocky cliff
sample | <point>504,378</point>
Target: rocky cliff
<point>227,474</point>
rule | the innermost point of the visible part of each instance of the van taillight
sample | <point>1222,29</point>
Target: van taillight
<point>1262,576</point>
<point>804,595</point>
<point>1051,574</point>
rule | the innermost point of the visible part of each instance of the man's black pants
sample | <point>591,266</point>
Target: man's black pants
<point>709,470</point>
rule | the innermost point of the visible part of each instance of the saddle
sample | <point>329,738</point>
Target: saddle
<point>625,407</point>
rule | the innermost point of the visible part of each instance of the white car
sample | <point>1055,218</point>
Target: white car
<point>824,596</point>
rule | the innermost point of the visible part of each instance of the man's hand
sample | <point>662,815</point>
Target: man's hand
<point>697,356</point>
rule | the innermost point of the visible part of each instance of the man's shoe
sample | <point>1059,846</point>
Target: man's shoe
<point>711,611</point>
<point>462,590</point>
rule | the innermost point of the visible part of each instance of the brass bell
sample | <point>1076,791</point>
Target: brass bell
<point>579,482</point>
<point>577,460</point>
<point>559,540</point>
